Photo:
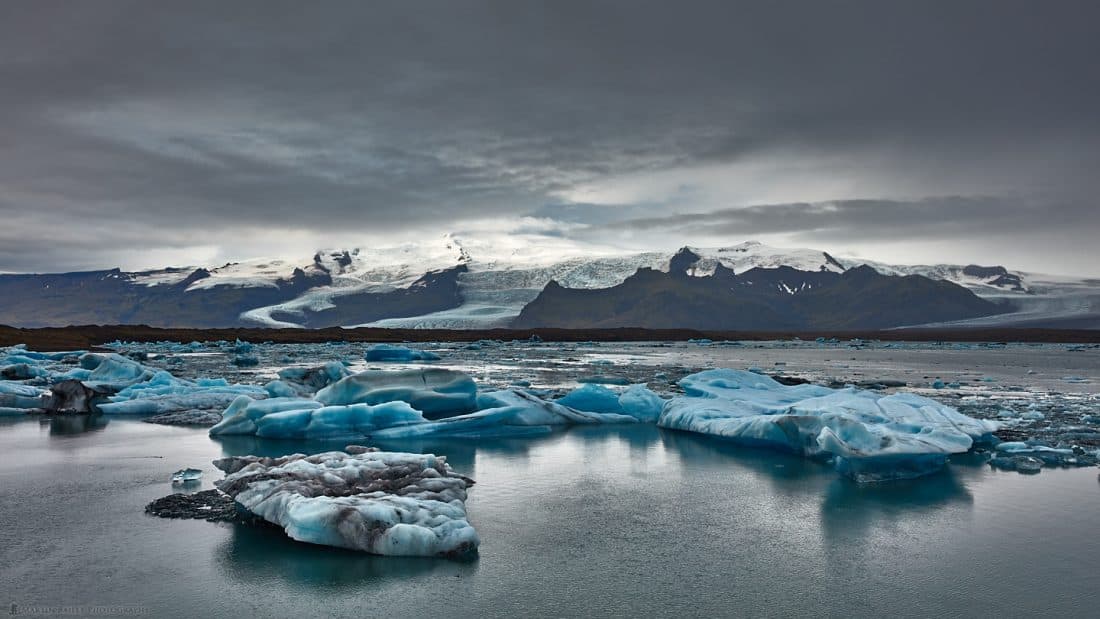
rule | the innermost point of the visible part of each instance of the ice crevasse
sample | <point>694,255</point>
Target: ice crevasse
<point>869,436</point>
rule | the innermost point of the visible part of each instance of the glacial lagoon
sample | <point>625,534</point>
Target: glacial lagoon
<point>602,520</point>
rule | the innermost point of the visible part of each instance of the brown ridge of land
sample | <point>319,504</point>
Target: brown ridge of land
<point>90,336</point>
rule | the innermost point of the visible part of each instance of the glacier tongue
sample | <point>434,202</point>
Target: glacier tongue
<point>382,503</point>
<point>869,436</point>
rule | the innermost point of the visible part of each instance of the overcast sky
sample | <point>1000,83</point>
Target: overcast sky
<point>141,134</point>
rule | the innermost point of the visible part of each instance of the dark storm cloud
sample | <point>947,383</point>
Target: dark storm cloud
<point>149,125</point>
<point>942,218</point>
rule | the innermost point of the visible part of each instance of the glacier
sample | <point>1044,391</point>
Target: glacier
<point>383,503</point>
<point>867,435</point>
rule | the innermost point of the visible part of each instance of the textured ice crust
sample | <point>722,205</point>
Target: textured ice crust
<point>869,436</point>
<point>378,502</point>
<point>435,392</point>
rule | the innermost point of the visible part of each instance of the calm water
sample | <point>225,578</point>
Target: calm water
<point>603,521</point>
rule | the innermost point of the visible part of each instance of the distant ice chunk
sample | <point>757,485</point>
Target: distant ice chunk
<point>378,502</point>
<point>245,360</point>
<point>390,352</point>
<point>317,377</point>
<point>604,379</point>
<point>869,436</point>
<point>183,476</point>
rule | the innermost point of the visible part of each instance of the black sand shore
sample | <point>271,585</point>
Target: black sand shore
<point>89,336</point>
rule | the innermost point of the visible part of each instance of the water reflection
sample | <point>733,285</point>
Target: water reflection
<point>850,510</point>
<point>700,449</point>
<point>65,425</point>
<point>262,553</point>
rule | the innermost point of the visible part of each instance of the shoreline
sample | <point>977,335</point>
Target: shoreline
<point>90,336</point>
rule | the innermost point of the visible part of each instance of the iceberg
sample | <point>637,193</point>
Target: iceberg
<point>112,372</point>
<point>184,476</point>
<point>382,503</point>
<point>510,413</point>
<point>389,352</point>
<point>867,435</point>
<point>164,393</point>
<point>637,401</point>
<point>436,392</point>
<point>314,378</point>
<point>244,413</point>
<point>18,399</point>
<point>395,405</point>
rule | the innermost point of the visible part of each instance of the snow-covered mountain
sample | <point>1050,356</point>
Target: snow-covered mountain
<point>465,283</point>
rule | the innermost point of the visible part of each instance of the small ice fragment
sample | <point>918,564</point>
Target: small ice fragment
<point>186,475</point>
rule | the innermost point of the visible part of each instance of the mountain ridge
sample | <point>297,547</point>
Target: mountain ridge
<point>472,287</point>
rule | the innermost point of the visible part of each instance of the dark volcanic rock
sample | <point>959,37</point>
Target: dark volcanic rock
<point>209,505</point>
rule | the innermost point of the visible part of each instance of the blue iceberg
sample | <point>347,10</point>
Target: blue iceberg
<point>510,413</point>
<point>867,435</point>
<point>390,352</point>
<point>377,502</point>
<point>436,392</point>
<point>637,401</point>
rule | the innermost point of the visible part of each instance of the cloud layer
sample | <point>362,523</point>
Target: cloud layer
<point>135,133</point>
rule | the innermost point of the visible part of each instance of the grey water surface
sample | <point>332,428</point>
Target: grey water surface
<point>606,521</point>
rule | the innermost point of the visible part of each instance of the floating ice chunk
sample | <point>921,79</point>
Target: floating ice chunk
<point>389,352</point>
<point>164,393</point>
<point>113,372</point>
<point>245,360</point>
<point>508,413</point>
<point>244,412</point>
<point>604,379</point>
<point>317,377</point>
<point>186,475</point>
<point>871,437</point>
<point>436,392</point>
<point>592,398</point>
<point>22,371</point>
<point>378,502</point>
<point>640,402</point>
<point>17,398</point>
<point>281,389</point>
<point>353,421</point>
<point>637,401</point>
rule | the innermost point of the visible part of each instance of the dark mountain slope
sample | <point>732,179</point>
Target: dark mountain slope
<point>760,298</point>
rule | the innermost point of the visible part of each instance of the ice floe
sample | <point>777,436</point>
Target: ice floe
<point>869,436</point>
<point>389,352</point>
<point>378,502</point>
